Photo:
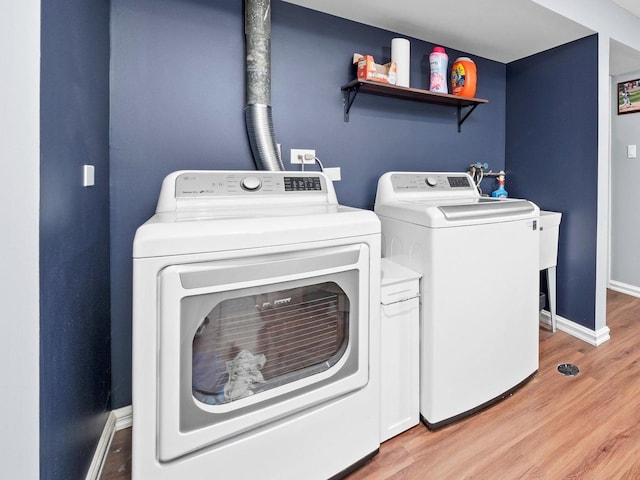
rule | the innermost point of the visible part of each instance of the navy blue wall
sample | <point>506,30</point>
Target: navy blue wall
<point>177,98</point>
<point>74,236</point>
<point>552,158</point>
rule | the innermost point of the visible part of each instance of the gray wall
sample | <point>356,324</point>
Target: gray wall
<point>625,195</point>
<point>19,222</point>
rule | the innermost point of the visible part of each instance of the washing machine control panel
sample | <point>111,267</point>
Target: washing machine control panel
<point>423,182</point>
<point>217,183</point>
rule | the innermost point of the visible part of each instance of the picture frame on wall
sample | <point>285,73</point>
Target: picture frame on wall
<point>629,96</point>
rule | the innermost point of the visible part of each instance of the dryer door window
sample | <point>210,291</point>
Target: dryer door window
<point>251,344</point>
<point>248,340</point>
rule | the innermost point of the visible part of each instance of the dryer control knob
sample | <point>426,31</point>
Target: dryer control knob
<point>432,181</point>
<point>251,183</point>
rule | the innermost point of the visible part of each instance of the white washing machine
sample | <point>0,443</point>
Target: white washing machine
<point>255,330</point>
<point>479,290</point>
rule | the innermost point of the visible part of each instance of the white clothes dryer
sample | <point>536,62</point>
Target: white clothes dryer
<point>255,329</point>
<point>479,290</point>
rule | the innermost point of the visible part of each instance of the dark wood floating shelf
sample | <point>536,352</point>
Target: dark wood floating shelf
<point>351,89</point>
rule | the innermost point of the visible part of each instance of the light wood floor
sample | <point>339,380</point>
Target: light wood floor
<point>555,427</point>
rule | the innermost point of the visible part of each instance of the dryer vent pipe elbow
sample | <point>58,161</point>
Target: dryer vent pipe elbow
<point>259,121</point>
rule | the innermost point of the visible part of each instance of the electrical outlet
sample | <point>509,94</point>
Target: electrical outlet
<point>298,156</point>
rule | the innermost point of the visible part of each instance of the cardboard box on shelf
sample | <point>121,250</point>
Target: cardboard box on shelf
<point>369,70</point>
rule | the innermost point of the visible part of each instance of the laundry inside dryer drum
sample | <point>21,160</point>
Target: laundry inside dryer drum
<point>251,344</point>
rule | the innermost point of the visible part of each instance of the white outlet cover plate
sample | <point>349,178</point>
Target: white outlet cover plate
<point>300,152</point>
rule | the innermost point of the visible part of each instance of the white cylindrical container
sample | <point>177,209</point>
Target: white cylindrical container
<point>439,75</point>
<point>401,55</point>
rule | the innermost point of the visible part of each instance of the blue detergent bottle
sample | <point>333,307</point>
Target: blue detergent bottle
<point>500,192</point>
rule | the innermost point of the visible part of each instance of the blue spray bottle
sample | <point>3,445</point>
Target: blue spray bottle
<point>500,192</point>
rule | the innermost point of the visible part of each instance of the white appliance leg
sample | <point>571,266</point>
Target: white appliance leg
<point>551,284</point>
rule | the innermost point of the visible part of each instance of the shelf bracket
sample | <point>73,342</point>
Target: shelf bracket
<point>348,96</point>
<point>461,119</point>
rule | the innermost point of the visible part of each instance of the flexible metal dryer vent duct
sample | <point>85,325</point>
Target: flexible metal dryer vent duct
<point>257,29</point>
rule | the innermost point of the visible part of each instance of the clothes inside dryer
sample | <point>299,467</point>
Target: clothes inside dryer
<point>254,343</point>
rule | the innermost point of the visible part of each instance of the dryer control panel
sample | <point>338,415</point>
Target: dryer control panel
<point>206,189</point>
<point>207,184</point>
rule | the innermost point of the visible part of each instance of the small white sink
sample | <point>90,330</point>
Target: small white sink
<point>549,226</point>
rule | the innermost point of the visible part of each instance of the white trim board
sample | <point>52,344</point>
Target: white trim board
<point>117,420</point>
<point>624,288</point>
<point>124,417</point>
<point>593,337</point>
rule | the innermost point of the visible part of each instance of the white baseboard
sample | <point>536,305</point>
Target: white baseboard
<point>100,455</point>
<point>124,417</point>
<point>593,337</point>
<point>117,420</point>
<point>625,288</point>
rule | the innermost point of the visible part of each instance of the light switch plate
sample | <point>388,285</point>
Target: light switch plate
<point>631,151</point>
<point>88,175</point>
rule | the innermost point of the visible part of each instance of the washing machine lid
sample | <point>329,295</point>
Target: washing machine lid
<point>451,214</point>
<point>211,211</point>
<point>444,200</point>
